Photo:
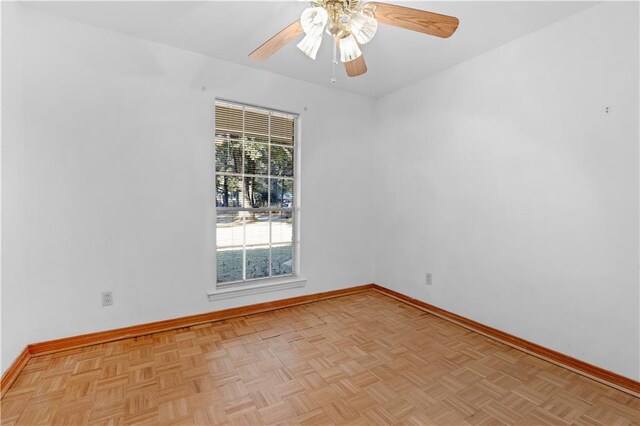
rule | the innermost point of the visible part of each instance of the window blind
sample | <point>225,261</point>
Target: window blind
<point>232,120</point>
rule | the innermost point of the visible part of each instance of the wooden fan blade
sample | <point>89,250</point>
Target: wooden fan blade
<point>415,20</point>
<point>356,67</point>
<point>277,42</point>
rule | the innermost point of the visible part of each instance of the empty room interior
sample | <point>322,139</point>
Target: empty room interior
<point>337,212</point>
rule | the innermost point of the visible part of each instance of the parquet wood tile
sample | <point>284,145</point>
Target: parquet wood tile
<point>360,359</point>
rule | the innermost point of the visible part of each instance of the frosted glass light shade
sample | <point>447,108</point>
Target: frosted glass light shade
<point>363,27</point>
<point>349,49</point>
<point>310,45</point>
<point>313,20</point>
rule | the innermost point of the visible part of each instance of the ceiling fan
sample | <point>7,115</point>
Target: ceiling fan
<point>351,24</point>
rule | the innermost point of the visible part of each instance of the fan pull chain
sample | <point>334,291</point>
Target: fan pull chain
<point>334,80</point>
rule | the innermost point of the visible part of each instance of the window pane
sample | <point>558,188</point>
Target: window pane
<point>257,263</point>
<point>256,158</point>
<point>282,193</point>
<point>229,265</point>
<point>228,121</point>
<point>256,191</point>
<point>228,156</point>
<point>257,228</point>
<point>281,161</point>
<point>229,229</point>
<point>281,227</point>
<point>256,125</point>
<point>228,191</point>
<point>282,129</point>
<point>282,260</point>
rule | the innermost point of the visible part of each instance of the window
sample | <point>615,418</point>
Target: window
<point>255,189</point>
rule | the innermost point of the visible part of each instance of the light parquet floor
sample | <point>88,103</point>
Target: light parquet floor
<point>359,359</point>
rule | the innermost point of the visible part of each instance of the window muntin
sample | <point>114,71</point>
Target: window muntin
<point>255,190</point>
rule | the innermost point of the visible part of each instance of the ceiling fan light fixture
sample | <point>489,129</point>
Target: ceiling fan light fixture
<point>310,45</point>
<point>349,49</point>
<point>363,27</point>
<point>313,20</point>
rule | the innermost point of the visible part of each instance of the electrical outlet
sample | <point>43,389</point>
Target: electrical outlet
<point>107,298</point>
<point>429,279</point>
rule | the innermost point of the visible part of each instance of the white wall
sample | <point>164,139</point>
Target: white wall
<point>117,180</point>
<point>15,318</point>
<point>506,179</point>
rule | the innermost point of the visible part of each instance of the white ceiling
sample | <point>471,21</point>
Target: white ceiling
<point>395,57</point>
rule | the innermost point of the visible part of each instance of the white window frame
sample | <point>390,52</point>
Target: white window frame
<point>246,286</point>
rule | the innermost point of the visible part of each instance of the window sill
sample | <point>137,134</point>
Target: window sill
<point>263,287</point>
